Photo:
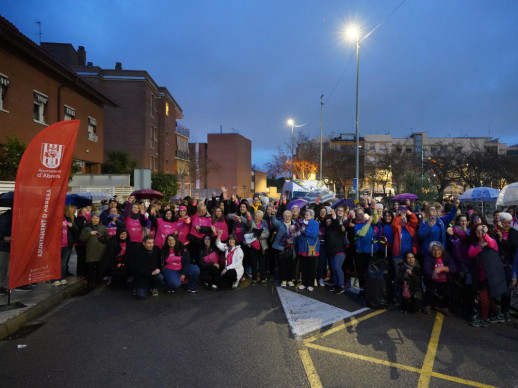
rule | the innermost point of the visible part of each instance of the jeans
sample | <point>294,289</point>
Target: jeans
<point>154,281</point>
<point>174,281</point>
<point>65,257</point>
<point>338,273</point>
<point>322,262</point>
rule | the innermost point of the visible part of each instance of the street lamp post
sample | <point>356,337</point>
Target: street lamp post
<point>292,123</point>
<point>321,126</point>
<point>353,33</point>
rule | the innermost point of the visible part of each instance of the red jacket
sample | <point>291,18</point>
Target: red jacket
<point>411,228</point>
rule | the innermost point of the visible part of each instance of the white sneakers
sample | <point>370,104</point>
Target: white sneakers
<point>60,282</point>
<point>302,287</point>
<point>310,288</point>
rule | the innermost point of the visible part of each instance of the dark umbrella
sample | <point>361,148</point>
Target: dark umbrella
<point>6,199</point>
<point>403,196</point>
<point>77,200</point>
<point>147,194</point>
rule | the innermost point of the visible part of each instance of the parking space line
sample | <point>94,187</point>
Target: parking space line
<point>353,321</point>
<point>429,359</point>
<point>311,372</point>
<point>364,358</point>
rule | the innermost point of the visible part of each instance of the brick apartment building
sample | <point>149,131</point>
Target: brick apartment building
<point>225,160</point>
<point>36,91</point>
<point>144,123</point>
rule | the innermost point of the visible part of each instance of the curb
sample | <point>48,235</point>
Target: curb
<point>12,325</point>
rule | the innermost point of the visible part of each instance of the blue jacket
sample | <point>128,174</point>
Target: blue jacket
<point>425,230</point>
<point>309,236</point>
<point>283,234</point>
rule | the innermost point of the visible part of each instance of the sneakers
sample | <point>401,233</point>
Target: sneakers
<point>154,292</point>
<point>214,287</point>
<point>310,288</point>
<point>57,283</point>
<point>263,282</point>
<point>332,289</point>
<point>169,291</point>
<point>321,282</point>
<point>479,322</point>
<point>339,290</point>
<point>291,284</point>
<point>283,284</point>
<point>507,316</point>
<point>253,282</point>
<point>497,318</point>
<point>302,287</point>
<point>192,290</point>
<point>63,282</point>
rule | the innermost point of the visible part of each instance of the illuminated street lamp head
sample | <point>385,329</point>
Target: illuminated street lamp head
<point>290,122</point>
<point>352,32</point>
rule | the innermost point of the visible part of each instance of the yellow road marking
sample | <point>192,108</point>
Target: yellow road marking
<point>342,326</point>
<point>427,369</point>
<point>364,358</point>
<point>311,372</point>
<point>461,381</point>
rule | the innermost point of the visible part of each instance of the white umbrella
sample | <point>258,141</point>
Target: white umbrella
<point>95,196</point>
<point>508,196</point>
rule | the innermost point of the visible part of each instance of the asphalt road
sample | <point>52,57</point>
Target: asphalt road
<point>211,339</point>
<point>242,338</point>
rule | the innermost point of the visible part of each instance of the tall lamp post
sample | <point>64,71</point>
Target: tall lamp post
<point>291,123</point>
<point>321,125</point>
<point>352,32</point>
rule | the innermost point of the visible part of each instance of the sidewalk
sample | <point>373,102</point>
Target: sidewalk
<point>36,302</point>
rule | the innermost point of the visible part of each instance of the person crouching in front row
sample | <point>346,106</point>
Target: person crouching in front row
<point>233,270</point>
<point>146,268</point>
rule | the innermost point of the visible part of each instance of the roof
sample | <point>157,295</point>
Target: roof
<point>14,39</point>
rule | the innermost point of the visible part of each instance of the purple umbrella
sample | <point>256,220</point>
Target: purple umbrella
<point>404,196</point>
<point>297,202</point>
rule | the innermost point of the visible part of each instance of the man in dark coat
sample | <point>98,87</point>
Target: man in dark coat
<point>145,267</point>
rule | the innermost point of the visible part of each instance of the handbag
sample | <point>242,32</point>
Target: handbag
<point>286,254</point>
<point>406,292</point>
<point>312,249</point>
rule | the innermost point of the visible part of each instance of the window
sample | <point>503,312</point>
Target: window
<point>4,85</point>
<point>92,129</point>
<point>39,106</point>
<point>167,109</point>
<point>70,113</point>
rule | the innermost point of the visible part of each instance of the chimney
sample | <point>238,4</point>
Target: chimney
<point>118,66</point>
<point>81,56</point>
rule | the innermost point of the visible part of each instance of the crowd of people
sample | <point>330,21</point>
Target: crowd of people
<point>438,256</point>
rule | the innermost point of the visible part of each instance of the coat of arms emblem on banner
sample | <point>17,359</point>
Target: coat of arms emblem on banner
<point>51,154</point>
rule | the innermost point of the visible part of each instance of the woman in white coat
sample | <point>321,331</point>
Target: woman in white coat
<point>233,270</point>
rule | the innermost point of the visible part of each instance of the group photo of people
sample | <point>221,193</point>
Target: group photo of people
<point>433,256</point>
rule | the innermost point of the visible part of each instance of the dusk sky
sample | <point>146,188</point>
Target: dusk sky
<point>449,67</point>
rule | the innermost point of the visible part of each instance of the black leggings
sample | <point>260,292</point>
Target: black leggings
<point>308,264</point>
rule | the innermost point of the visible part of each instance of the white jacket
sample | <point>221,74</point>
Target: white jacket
<point>237,260</point>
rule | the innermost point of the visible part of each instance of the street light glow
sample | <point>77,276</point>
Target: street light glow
<point>352,32</point>
<point>290,122</point>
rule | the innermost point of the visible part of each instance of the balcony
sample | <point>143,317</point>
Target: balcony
<point>182,154</point>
